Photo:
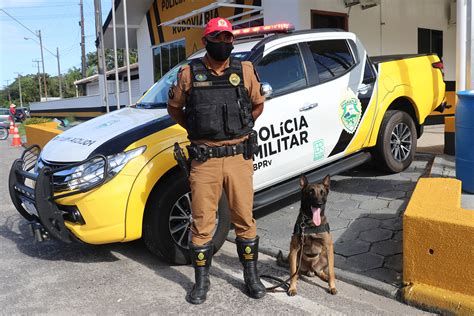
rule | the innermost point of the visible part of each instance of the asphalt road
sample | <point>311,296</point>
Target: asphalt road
<point>56,278</point>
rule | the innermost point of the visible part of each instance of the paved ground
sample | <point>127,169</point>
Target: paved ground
<point>55,278</point>
<point>365,209</point>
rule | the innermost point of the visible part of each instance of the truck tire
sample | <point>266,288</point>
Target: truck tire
<point>167,221</point>
<point>396,142</point>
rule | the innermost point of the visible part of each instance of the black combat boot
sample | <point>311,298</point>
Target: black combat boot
<point>201,257</point>
<point>248,255</point>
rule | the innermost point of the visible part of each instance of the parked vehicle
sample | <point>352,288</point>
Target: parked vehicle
<point>4,130</point>
<point>4,114</point>
<point>114,179</point>
<point>21,114</point>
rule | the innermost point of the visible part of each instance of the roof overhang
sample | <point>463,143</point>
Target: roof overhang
<point>136,11</point>
<point>95,77</point>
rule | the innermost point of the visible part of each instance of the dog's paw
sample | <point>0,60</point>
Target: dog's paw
<point>323,276</point>
<point>291,291</point>
<point>333,291</point>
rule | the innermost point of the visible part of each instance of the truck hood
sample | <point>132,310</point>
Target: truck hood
<point>107,134</point>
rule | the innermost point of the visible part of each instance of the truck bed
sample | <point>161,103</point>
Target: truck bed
<point>384,58</point>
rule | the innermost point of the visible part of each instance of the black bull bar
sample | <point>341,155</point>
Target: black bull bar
<point>43,212</point>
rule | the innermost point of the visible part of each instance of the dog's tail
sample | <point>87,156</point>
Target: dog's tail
<point>282,261</point>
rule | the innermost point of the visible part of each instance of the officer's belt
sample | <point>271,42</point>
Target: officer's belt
<point>203,152</point>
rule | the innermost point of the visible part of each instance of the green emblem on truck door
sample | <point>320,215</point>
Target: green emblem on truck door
<point>350,111</point>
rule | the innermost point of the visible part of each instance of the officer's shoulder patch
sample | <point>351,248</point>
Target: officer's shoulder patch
<point>200,77</point>
<point>171,92</point>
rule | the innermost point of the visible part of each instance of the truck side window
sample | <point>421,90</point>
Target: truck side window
<point>369,74</point>
<point>283,70</point>
<point>332,57</point>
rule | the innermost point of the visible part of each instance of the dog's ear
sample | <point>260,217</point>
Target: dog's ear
<point>303,182</point>
<point>327,182</point>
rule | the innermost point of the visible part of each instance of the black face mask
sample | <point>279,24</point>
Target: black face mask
<point>219,51</point>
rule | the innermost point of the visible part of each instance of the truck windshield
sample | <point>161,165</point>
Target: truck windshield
<point>157,96</point>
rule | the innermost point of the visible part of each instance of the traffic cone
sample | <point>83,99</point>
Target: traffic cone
<point>12,127</point>
<point>16,141</point>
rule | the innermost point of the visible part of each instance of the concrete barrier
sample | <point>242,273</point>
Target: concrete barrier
<point>42,133</point>
<point>438,248</point>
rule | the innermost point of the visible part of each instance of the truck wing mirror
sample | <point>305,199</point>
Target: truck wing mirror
<point>266,89</point>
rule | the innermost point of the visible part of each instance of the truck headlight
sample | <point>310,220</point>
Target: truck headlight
<point>90,173</point>
<point>118,161</point>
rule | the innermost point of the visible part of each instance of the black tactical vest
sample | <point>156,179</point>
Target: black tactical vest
<point>218,107</point>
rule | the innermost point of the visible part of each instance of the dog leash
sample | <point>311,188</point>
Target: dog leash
<point>285,282</point>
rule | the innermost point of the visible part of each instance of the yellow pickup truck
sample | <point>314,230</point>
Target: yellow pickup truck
<point>114,178</point>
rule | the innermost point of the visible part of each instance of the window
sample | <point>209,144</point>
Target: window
<point>166,56</point>
<point>369,75</point>
<point>332,57</point>
<point>158,95</point>
<point>325,19</point>
<point>283,70</point>
<point>430,42</point>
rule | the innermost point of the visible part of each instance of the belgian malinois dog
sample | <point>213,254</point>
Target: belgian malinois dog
<point>311,238</point>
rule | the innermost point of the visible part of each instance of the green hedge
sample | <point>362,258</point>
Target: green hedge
<point>36,120</point>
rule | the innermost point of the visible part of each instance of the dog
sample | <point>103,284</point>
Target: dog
<point>317,252</point>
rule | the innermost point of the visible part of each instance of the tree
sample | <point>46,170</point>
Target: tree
<point>29,83</point>
<point>91,59</point>
<point>72,75</point>
<point>30,89</point>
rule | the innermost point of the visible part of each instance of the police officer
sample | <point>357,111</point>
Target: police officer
<point>217,100</point>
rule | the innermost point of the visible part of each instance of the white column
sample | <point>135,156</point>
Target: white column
<point>470,46</point>
<point>461,20</point>
<point>127,53</point>
<point>117,87</point>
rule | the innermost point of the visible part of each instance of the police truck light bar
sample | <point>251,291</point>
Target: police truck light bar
<point>264,29</point>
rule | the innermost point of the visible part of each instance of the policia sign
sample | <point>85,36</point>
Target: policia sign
<point>280,137</point>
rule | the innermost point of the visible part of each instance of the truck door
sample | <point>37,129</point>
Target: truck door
<point>339,75</point>
<point>285,147</point>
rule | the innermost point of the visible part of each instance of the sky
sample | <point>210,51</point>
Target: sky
<point>58,22</point>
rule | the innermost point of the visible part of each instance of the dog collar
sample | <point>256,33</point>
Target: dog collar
<point>302,227</point>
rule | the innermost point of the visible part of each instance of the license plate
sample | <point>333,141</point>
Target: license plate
<point>30,207</point>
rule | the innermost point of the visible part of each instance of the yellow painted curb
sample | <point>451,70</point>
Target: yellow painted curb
<point>429,296</point>
<point>438,247</point>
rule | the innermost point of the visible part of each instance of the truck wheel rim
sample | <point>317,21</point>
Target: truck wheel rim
<point>180,220</point>
<point>401,142</point>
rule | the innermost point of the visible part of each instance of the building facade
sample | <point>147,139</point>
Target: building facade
<point>167,31</point>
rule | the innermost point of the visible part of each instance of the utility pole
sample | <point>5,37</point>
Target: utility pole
<point>59,75</point>
<point>9,97</point>
<point>42,62</point>
<point>102,69</point>
<point>19,88</point>
<point>37,34</point>
<point>83,43</point>
<point>39,78</point>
